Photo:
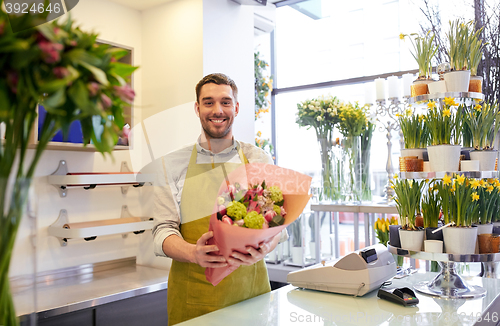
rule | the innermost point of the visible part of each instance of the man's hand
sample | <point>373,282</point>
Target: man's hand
<point>254,255</point>
<point>201,253</point>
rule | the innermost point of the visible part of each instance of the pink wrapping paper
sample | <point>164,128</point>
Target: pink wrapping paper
<point>228,238</point>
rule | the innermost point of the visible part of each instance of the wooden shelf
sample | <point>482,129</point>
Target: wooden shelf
<point>64,230</point>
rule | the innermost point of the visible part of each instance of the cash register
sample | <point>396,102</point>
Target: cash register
<point>357,273</point>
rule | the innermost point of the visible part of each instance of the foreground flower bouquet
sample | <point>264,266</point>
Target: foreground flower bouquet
<point>255,203</point>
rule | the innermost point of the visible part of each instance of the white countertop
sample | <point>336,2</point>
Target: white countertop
<point>293,306</point>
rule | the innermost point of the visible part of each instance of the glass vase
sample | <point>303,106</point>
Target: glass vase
<point>366,184</point>
<point>329,191</point>
<point>352,172</point>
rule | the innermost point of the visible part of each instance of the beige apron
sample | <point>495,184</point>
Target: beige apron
<point>189,293</point>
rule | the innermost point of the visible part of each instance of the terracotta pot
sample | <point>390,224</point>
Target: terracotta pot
<point>420,87</point>
<point>488,243</point>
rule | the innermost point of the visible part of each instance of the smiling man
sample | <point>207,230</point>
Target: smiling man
<point>184,199</point>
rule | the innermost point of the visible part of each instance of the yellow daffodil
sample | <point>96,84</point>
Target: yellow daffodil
<point>431,105</point>
<point>409,112</point>
<point>453,187</point>
<point>446,180</point>
<point>475,196</point>
<point>475,183</point>
<point>259,134</point>
<point>395,176</point>
<point>489,188</point>
<point>491,181</point>
<point>449,101</point>
<point>446,113</point>
<point>478,107</point>
<point>461,179</point>
<point>401,36</point>
<point>482,183</point>
<point>421,117</point>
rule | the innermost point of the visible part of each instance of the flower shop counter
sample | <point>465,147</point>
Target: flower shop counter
<point>290,305</point>
<point>81,289</point>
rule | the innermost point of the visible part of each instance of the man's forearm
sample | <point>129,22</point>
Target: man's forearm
<point>178,249</point>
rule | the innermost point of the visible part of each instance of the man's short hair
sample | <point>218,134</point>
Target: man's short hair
<point>219,79</point>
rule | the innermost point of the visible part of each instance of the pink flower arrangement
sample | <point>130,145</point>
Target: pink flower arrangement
<point>258,207</point>
<point>126,93</point>
<point>51,52</point>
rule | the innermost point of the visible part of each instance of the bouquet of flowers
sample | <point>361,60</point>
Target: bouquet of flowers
<point>247,217</point>
<point>258,207</point>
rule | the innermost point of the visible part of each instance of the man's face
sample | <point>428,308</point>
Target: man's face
<point>217,109</point>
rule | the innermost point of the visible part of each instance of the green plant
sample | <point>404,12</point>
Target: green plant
<point>475,51</point>
<point>483,121</point>
<point>460,37</point>
<point>414,130</point>
<point>488,192</point>
<point>408,195</point>
<point>424,51</point>
<point>431,207</point>
<point>263,86</point>
<point>444,124</point>
<point>74,78</point>
<point>265,144</point>
<point>463,201</point>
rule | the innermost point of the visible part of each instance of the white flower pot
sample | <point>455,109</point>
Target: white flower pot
<point>298,255</point>
<point>444,157</point>
<point>457,81</point>
<point>471,165</point>
<point>460,240</point>
<point>484,228</point>
<point>433,246</point>
<point>437,87</point>
<point>486,159</point>
<point>419,152</point>
<point>411,240</point>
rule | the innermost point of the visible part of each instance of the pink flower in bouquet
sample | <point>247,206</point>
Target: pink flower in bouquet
<point>283,212</point>
<point>253,206</point>
<point>60,72</point>
<point>126,131</point>
<point>226,219</point>
<point>240,222</point>
<point>126,93</point>
<point>222,210</point>
<point>231,189</point>
<point>12,80</point>
<point>50,51</point>
<point>93,88</point>
<point>106,101</point>
<point>73,43</point>
<point>269,215</point>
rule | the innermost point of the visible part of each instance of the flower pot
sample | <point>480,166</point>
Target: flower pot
<point>433,236</point>
<point>433,246</point>
<point>460,240</point>
<point>418,152</point>
<point>466,151</point>
<point>444,157</point>
<point>411,240</point>
<point>471,165</point>
<point>486,159</point>
<point>484,228</point>
<point>488,243</point>
<point>420,87</point>
<point>476,84</point>
<point>394,236</point>
<point>437,87</point>
<point>457,81</point>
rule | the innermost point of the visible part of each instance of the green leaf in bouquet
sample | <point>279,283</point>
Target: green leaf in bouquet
<point>79,95</point>
<point>122,69</point>
<point>9,45</point>
<point>99,75</point>
<point>24,59</point>
<point>55,100</point>
<point>4,101</point>
<point>117,53</point>
<point>263,185</point>
<point>255,198</point>
<point>79,55</point>
<point>47,30</point>
<point>277,221</point>
<point>280,203</point>
<point>51,86</point>
<point>119,80</point>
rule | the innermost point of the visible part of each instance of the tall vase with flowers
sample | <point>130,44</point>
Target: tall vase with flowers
<point>62,68</point>
<point>366,144</point>
<point>424,50</point>
<point>322,115</point>
<point>445,128</point>
<point>463,209</point>
<point>353,121</point>
<point>483,122</point>
<point>408,196</point>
